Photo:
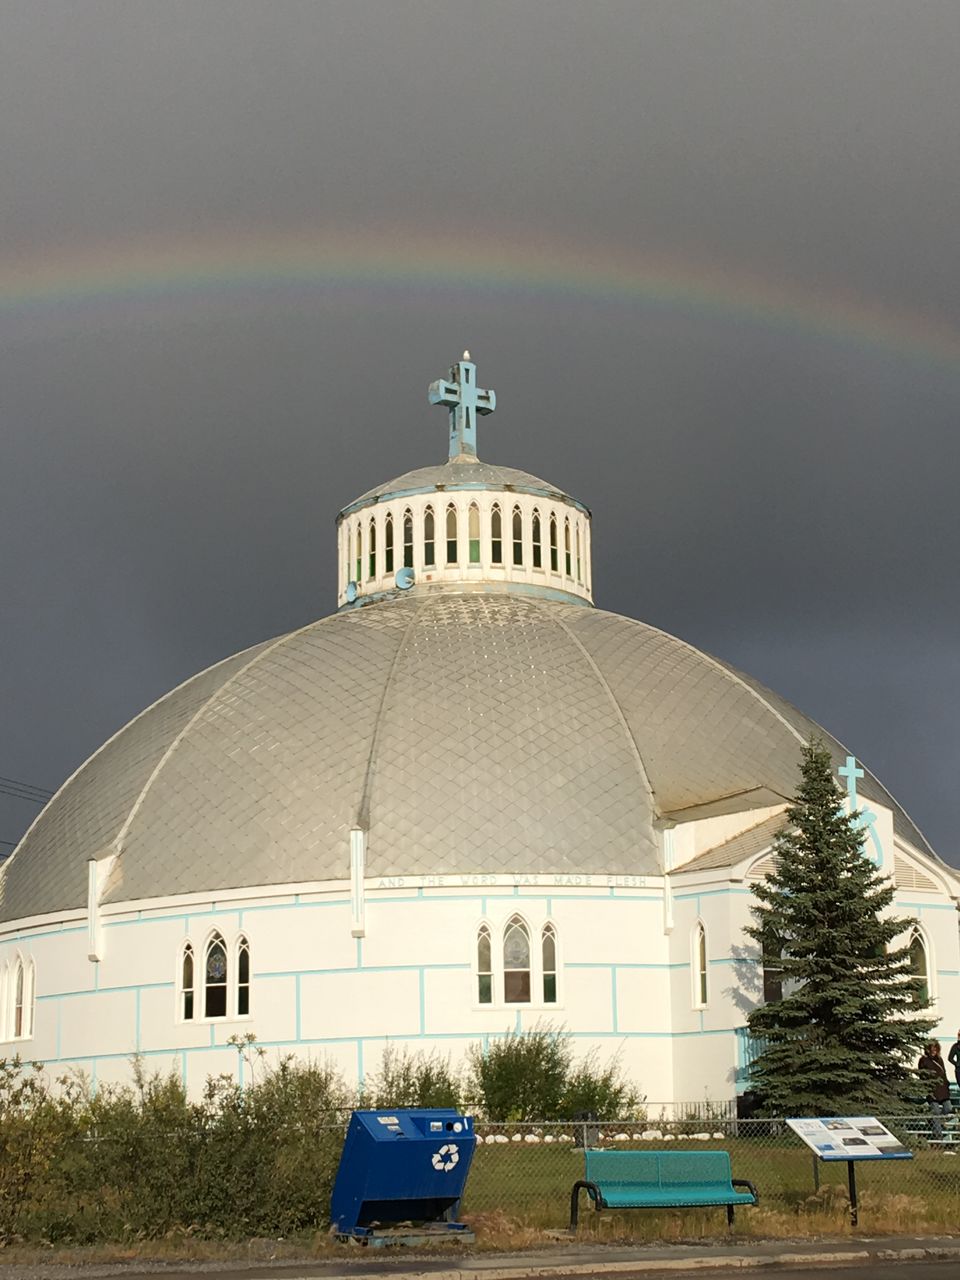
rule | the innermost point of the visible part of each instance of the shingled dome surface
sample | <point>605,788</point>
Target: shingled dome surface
<point>466,732</point>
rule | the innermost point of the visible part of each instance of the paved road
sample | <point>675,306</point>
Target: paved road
<point>926,1270</point>
<point>576,1262</point>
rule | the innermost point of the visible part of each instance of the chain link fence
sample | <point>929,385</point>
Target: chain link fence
<point>525,1172</point>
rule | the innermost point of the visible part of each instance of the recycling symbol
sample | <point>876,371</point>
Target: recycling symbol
<point>446,1157</point>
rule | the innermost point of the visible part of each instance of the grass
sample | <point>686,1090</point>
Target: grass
<point>518,1191</point>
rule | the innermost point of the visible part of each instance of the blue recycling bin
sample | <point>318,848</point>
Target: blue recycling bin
<point>403,1166</point>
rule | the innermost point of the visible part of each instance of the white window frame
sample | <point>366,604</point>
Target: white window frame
<point>699,971</point>
<point>17,964</point>
<point>497,929</point>
<point>231,946</point>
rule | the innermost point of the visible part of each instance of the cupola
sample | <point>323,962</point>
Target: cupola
<point>464,525</point>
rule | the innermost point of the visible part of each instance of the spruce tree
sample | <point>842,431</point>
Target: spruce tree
<point>845,1034</point>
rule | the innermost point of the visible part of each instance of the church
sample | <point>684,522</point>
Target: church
<point>467,801</point>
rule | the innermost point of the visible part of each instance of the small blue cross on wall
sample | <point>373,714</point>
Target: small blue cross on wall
<point>461,395</point>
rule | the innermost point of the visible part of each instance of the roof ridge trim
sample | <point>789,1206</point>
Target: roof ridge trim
<point>123,728</point>
<point>624,723</point>
<point>264,649</point>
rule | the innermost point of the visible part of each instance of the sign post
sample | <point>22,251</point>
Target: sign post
<point>850,1138</point>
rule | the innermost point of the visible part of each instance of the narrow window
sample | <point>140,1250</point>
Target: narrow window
<point>215,979</point>
<point>537,541</point>
<point>348,548</point>
<point>243,977</point>
<point>496,536</point>
<point>517,536</point>
<point>451,534</point>
<point>359,573</point>
<point>388,544</point>
<point>548,944</point>
<point>516,962</point>
<point>772,960</point>
<point>917,954</point>
<point>567,558</point>
<point>186,983</point>
<point>473,531</point>
<point>18,1001</point>
<point>372,550</point>
<point>408,539</point>
<point>484,967</point>
<point>429,537</point>
<point>554,565</point>
<point>700,966</point>
<point>579,574</point>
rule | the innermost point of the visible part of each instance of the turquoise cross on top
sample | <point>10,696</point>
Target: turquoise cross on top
<point>851,773</point>
<point>461,395</point>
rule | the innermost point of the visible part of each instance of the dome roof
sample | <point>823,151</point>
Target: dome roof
<point>466,733</point>
<point>460,473</point>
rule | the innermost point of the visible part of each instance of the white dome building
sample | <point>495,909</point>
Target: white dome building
<point>467,801</point>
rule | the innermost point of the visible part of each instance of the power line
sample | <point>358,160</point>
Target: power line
<point>24,791</point>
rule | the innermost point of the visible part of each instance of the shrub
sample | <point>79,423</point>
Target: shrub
<point>412,1080</point>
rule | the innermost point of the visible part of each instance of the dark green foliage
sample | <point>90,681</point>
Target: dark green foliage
<point>531,1075</point>
<point>408,1079</point>
<point>845,1034</point>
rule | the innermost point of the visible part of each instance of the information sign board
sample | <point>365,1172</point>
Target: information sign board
<point>850,1138</point>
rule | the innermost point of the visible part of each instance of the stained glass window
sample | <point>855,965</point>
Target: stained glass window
<point>516,962</point>
<point>537,542</point>
<point>18,1000</point>
<point>359,573</point>
<point>372,550</point>
<point>554,563</point>
<point>567,559</point>
<point>215,979</point>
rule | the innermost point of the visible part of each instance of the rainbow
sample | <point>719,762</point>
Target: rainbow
<point>58,285</point>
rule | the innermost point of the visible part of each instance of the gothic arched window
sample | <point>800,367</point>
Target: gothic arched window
<point>408,539</point>
<point>473,532</point>
<point>372,550</point>
<point>243,977</point>
<point>537,541</point>
<point>496,535</point>
<point>919,966</point>
<point>548,952</point>
<point>187,979</point>
<point>359,574</point>
<point>429,537</point>
<point>516,962</point>
<point>484,966</point>
<point>579,574</point>
<point>451,534</point>
<point>517,536</point>
<point>700,991</point>
<point>772,962</point>
<point>554,562</point>
<point>388,544</point>
<point>215,979</point>
<point>567,557</point>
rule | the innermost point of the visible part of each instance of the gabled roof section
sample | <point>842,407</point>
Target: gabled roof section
<point>747,844</point>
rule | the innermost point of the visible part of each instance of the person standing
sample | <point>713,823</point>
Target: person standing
<point>954,1057</point>
<point>933,1073</point>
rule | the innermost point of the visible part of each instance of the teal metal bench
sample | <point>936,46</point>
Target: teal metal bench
<point>660,1180</point>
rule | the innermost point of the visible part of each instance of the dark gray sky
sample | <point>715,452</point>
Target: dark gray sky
<point>171,466</point>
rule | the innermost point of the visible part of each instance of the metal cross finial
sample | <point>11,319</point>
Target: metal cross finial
<point>851,773</point>
<point>461,395</point>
